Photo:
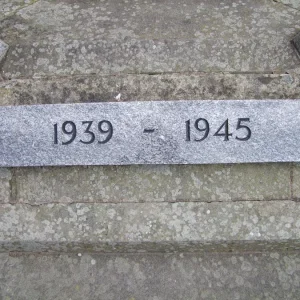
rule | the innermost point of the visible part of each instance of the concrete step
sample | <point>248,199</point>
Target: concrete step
<point>111,232</point>
<point>112,37</point>
<point>145,87</point>
<point>151,227</point>
<point>194,276</point>
<point>161,183</point>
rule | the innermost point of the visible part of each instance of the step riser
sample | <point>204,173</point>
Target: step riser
<point>246,226</point>
<point>115,184</point>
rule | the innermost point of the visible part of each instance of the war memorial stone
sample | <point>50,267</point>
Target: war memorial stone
<point>157,132</point>
<point>135,164</point>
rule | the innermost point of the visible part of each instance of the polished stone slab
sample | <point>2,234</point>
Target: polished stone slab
<point>154,132</point>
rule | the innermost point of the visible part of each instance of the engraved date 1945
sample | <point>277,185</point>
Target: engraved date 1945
<point>201,129</point>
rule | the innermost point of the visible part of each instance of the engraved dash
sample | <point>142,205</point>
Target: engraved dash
<point>147,130</point>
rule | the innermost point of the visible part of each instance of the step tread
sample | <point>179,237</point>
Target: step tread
<point>150,276</point>
<point>83,37</point>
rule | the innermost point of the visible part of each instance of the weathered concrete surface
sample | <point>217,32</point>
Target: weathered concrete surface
<point>5,185</point>
<point>296,182</point>
<point>82,89</point>
<point>296,43</point>
<point>10,7</point>
<point>86,37</point>
<point>205,183</point>
<point>128,227</point>
<point>3,50</point>
<point>291,3</point>
<point>150,276</point>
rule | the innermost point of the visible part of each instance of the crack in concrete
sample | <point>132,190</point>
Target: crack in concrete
<point>204,73</point>
<point>12,13</point>
<point>3,53</point>
<point>279,2</point>
<point>13,188</point>
<point>74,203</point>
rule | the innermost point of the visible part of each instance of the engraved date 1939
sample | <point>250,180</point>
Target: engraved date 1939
<point>67,132</point>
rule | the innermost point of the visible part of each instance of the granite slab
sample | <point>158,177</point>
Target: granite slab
<point>154,132</point>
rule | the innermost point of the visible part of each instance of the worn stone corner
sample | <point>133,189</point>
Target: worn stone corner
<point>3,50</point>
<point>295,4</point>
<point>296,43</point>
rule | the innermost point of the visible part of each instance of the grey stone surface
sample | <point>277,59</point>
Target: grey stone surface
<point>132,87</point>
<point>168,183</point>
<point>3,50</point>
<point>292,3</point>
<point>153,227</point>
<point>150,276</point>
<point>5,185</point>
<point>267,132</point>
<point>296,44</point>
<point>111,37</point>
<point>296,182</point>
<point>10,7</point>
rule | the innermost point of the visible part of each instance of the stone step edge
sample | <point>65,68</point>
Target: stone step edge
<point>151,227</point>
<point>145,87</point>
